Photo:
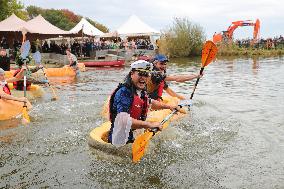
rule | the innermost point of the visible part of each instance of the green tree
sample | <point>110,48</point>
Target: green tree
<point>8,7</point>
<point>182,39</point>
<point>100,27</point>
<point>57,18</point>
<point>64,19</point>
<point>34,11</point>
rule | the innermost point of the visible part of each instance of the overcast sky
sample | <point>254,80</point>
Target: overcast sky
<point>213,16</point>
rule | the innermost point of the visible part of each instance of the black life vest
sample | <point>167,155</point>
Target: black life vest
<point>156,85</point>
<point>19,85</point>
<point>137,110</point>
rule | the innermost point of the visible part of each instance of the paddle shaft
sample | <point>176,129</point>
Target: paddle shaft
<point>196,83</point>
<point>45,77</point>
<point>25,83</point>
<point>54,95</point>
<point>155,130</point>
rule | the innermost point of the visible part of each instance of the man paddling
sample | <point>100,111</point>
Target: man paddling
<point>157,83</point>
<point>129,105</point>
<point>5,92</point>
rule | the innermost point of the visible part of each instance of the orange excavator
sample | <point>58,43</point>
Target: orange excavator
<point>227,36</point>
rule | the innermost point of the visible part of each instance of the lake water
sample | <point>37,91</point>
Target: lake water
<point>232,138</point>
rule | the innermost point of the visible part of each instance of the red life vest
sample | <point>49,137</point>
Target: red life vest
<point>139,108</point>
<point>6,89</point>
<point>19,85</point>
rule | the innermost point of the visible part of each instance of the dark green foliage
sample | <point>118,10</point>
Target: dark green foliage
<point>98,25</point>
<point>64,19</point>
<point>8,7</point>
<point>182,39</point>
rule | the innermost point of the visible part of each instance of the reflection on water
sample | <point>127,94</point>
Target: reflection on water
<point>232,138</point>
<point>255,65</point>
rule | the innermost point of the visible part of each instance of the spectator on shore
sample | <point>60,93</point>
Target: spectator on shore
<point>4,60</point>
<point>16,48</point>
<point>45,47</point>
<point>4,44</point>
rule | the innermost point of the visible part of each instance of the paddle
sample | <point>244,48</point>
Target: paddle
<point>37,58</point>
<point>25,51</point>
<point>141,142</point>
<point>209,52</point>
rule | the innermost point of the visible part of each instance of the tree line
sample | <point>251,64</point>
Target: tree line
<point>63,18</point>
<point>181,39</point>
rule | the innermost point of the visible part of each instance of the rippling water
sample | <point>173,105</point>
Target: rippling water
<point>233,137</point>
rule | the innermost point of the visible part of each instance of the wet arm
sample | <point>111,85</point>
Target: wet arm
<point>181,78</point>
<point>13,79</point>
<point>10,97</point>
<point>33,70</point>
<point>139,124</point>
<point>20,75</point>
<point>174,94</point>
<point>157,105</point>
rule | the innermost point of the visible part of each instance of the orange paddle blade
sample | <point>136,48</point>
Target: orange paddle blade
<point>139,146</point>
<point>26,117</point>
<point>209,52</point>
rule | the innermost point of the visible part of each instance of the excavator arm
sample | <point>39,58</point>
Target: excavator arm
<point>228,34</point>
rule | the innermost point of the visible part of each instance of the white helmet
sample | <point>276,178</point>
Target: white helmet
<point>142,65</point>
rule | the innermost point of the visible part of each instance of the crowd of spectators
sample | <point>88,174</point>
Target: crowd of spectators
<point>269,43</point>
<point>78,47</point>
<point>89,46</point>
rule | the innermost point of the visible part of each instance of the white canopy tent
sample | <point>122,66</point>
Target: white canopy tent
<point>39,25</point>
<point>88,29</point>
<point>135,27</point>
<point>11,24</point>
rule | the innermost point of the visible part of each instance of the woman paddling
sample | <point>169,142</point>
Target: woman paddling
<point>129,105</point>
<point>5,92</point>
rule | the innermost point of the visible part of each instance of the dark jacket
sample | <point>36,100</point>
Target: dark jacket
<point>5,63</point>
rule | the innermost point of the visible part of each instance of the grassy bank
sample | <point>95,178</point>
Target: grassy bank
<point>233,50</point>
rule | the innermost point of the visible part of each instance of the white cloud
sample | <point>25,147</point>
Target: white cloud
<point>211,15</point>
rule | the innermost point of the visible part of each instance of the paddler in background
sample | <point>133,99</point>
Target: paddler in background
<point>129,105</point>
<point>157,82</point>
<point>19,84</point>
<point>73,62</point>
<point>5,92</point>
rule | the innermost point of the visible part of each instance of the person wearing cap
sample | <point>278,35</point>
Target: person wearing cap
<point>5,92</point>
<point>157,83</point>
<point>129,104</point>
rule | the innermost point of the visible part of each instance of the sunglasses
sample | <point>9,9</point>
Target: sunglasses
<point>143,74</point>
